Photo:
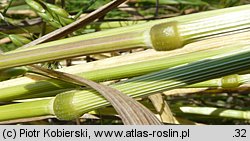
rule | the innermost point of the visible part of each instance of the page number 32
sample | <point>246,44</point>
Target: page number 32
<point>240,133</point>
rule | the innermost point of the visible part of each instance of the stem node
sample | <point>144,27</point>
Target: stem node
<point>63,106</point>
<point>165,36</point>
<point>231,81</point>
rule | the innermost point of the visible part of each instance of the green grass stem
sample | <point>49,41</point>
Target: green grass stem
<point>30,109</point>
<point>193,26</point>
<point>160,35</point>
<point>77,102</point>
<point>118,72</point>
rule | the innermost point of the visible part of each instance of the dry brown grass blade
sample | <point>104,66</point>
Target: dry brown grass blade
<point>131,111</point>
<point>162,108</point>
<point>76,25</point>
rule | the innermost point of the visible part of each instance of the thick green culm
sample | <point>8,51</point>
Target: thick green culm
<point>160,35</point>
<point>74,103</point>
<point>193,24</point>
<point>125,71</point>
<point>193,21</point>
<point>163,80</point>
